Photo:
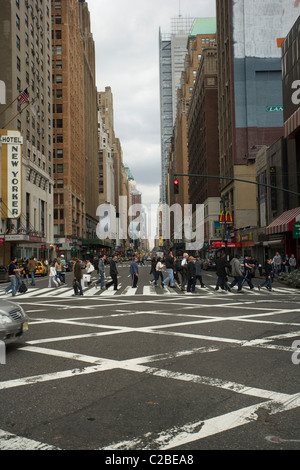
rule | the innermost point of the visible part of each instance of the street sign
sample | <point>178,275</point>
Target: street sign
<point>296,230</point>
<point>274,109</point>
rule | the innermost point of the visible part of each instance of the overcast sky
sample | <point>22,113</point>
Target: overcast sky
<point>127,59</point>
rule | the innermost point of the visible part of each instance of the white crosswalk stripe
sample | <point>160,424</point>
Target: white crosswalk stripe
<point>128,291</point>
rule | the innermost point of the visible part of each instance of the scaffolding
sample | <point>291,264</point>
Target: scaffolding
<point>181,25</point>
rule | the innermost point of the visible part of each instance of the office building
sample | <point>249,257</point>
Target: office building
<point>26,65</point>
<point>172,52</point>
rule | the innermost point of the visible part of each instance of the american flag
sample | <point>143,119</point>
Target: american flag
<point>24,97</point>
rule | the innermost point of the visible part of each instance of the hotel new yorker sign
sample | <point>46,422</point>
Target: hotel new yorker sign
<point>11,173</point>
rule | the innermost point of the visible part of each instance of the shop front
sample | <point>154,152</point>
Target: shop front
<point>23,246</point>
<point>282,231</point>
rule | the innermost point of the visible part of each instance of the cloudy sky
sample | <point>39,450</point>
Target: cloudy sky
<point>127,59</point>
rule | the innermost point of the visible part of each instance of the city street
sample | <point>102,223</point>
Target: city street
<point>153,369</point>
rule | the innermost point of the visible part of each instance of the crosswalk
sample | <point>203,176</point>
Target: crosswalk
<point>66,292</point>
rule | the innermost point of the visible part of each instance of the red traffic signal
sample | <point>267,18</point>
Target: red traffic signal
<point>176,186</point>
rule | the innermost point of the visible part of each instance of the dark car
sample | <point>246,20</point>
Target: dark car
<point>3,274</point>
<point>13,321</point>
<point>209,264</point>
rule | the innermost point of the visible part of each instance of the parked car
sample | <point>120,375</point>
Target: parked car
<point>3,274</point>
<point>13,321</point>
<point>209,264</point>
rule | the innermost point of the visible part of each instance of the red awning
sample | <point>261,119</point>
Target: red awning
<point>292,123</point>
<point>283,223</point>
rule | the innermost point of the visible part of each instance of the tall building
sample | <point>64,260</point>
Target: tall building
<point>249,38</point>
<point>203,143</point>
<point>106,187</point>
<point>172,52</point>
<point>26,64</point>
<point>90,123</point>
<point>203,35</point>
<point>106,110</point>
<point>75,123</point>
<point>68,125</point>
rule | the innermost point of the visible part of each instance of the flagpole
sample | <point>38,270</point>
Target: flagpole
<point>3,111</point>
<point>20,112</point>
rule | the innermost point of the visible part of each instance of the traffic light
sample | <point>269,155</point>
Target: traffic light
<point>176,186</point>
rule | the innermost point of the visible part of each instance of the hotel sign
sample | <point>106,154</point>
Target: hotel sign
<point>11,173</point>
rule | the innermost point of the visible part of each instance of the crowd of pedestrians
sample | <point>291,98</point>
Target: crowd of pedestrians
<point>179,273</point>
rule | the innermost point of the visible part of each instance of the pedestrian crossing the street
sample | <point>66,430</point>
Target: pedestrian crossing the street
<point>66,292</point>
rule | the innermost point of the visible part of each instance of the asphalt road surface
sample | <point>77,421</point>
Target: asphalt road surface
<point>153,369</point>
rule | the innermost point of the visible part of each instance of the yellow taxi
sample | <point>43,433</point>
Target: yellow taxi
<point>41,269</point>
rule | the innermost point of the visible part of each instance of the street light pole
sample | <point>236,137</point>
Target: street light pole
<point>220,177</point>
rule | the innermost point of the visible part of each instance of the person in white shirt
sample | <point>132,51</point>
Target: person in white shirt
<point>53,276</point>
<point>159,267</point>
<point>184,273</point>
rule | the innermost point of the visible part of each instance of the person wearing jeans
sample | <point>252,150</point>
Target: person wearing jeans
<point>101,271</point>
<point>12,274</point>
<point>32,265</point>
<point>170,270</point>
<point>134,271</point>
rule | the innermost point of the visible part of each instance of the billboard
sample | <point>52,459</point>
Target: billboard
<point>11,173</point>
<point>260,25</point>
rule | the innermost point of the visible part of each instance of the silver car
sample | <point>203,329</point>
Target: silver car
<point>13,321</point>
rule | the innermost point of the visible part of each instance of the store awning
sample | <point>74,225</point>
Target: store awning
<point>292,124</point>
<point>283,223</point>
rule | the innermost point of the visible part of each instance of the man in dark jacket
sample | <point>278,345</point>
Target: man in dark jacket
<point>221,265</point>
<point>269,276</point>
<point>113,274</point>
<point>101,270</point>
<point>191,270</point>
<point>170,270</point>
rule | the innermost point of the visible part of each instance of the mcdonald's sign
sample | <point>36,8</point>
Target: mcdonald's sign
<point>226,218</point>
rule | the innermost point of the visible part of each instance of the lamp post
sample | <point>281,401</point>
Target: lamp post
<point>223,201</point>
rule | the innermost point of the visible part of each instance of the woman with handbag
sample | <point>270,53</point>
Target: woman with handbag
<point>89,269</point>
